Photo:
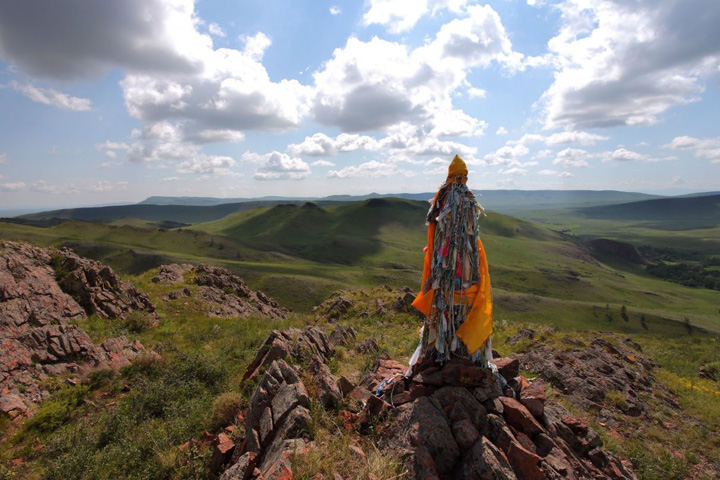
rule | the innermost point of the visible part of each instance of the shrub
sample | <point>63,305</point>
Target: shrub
<point>225,409</point>
<point>57,410</point>
<point>99,378</point>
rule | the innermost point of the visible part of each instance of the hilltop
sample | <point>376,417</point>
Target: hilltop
<point>240,396</point>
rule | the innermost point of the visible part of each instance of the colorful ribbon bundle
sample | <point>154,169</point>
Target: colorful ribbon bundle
<point>454,268</point>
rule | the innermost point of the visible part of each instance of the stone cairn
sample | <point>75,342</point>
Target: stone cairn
<point>449,422</point>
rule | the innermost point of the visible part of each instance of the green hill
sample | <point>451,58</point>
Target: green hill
<point>664,213</point>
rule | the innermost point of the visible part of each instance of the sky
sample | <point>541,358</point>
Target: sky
<point>111,102</point>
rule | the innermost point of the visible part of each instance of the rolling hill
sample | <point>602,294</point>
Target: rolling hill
<point>664,213</point>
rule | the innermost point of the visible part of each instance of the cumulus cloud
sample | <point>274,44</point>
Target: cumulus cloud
<point>371,169</point>
<point>85,39</point>
<point>572,157</point>
<point>501,131</point>
<point>277,166</point>
<point>335,10</point>
<point>398,145</point>
<point>566,175</point>
<point>561,138</point>
<point>476,92</point>
<point>322,163</point>
<point>513,171</point>
<point>52,97</point>
<point>621,63</point>
<point>401,15</point>
<point>508,155</point>
<point>207,164</point>
<point>625,155</point>
<point>105,186</point>
<point>702,147</point>
<point>547,172</point>
<point>379,84</point>
<point>216,30</point>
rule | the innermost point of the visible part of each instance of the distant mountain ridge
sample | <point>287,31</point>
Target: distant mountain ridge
<point>191,210</point>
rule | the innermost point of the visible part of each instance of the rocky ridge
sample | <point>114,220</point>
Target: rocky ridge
<point>445,422</point>
<point>223,293</point>
<point>41,291</point>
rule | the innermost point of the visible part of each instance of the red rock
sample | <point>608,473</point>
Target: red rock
<point>519,417</point>
<point>348,419</point>
<point>508,367</point>
<point>222,452</point>
<point>465,375</point>
<point>465,433</point>
<point>533,397</point>
<point>578,426</point>
<point>525,464</point>
<point>417,390</point>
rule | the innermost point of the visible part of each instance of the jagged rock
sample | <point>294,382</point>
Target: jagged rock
<point>98,289</point>
<point>519,417</point>
<point>223,448</point>
<point>586,374</point>
<point>277,416</point>
<point>35,339</point>
<point>330,393</point>
<point>369,345</point>
<point>291,342</point>
<point>342,336</point>
<point>524,463</point>
<point>173,273</point>
<point>182,293</point>
<point>485,461</point>
<point>224,293</point>
<point>508,367</point>
<point>533,397</point>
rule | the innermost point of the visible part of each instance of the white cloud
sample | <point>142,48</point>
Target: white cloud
<point>561,138</point>
<point>322,145</point>
<point>108,145</point>
<point>572,157</point>
<point>566,175</point>
<point>507,155</point>
<point>371,169</point>
<point>216,30</point>
<point>277,166</point>
<point>501,131</point>
<point>513,171</point>
<point>401,15</point>
<point>625,155</point>
<point>476,92</point>
<point>625,63</point>
<point>3,158</point>
<point>170,179</point>
<point>111,153</point>
<point>104,186</point>
<point>377,85</point>
<point>547,172</point>
<point>12,186</point>
<point>207,164</point>
<point>322,163</point>
<point>703,147</point>
<point>49,96</point>
<point>335,10</point>
<point>90,38</point>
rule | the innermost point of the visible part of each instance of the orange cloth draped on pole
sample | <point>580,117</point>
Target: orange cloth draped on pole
<point>477,326</point>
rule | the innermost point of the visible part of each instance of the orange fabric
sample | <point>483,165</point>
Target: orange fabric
<point>477,326</point>
<point>457,167</point>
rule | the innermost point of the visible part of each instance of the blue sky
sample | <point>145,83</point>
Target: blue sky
<point>109,102</point>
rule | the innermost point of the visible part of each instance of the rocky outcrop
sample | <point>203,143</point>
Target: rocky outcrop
<point>281,344</point>
<point>276,425</point>
<point>587,373</point>
<point>97,288</point>
<point>447,422</point>
<point>224,293</point>
<point>41,290</point>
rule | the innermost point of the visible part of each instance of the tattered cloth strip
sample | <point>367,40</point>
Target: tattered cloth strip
<point>455,292</point>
